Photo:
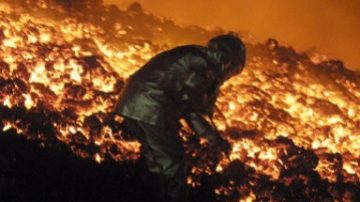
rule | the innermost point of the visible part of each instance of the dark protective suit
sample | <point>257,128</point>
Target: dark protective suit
<point>179,83</point>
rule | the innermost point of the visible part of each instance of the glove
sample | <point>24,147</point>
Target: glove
<point>217,143</point>
<point>221,146</point>
<point>218,149</point>
<point>225,147</point>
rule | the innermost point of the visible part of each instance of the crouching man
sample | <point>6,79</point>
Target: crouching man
<point>179,83</point>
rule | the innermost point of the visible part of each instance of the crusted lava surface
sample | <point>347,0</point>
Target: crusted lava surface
<point>292,118</point>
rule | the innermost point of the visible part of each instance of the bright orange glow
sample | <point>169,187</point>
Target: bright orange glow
<point>284,109</point>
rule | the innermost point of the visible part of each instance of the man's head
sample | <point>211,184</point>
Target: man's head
<point>233,52</point>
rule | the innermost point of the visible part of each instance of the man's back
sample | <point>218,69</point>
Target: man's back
<point>151,94</point>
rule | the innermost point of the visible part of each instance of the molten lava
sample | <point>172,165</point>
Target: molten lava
<point>290,118</point>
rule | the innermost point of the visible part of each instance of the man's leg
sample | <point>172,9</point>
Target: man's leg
<point>164,154</point>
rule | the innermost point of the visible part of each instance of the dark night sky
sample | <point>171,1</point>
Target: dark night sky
<point>332,26</point>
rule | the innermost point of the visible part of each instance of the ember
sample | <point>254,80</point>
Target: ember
<point>292,119</point>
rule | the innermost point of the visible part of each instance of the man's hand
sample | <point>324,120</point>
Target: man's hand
<point>218,148</point>
<point>220,145</point>
<point>225,147</point>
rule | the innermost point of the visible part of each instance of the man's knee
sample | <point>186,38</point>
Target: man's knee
<point>170,166</point>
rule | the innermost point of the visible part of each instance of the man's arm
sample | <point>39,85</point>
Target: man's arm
<point>196,99</point>
<point>202,128</point>
<point>199,88</point>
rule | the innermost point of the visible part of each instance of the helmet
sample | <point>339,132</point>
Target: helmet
<point>233,53</point>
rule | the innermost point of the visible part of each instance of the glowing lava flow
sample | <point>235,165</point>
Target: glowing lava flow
<point>282,111</point>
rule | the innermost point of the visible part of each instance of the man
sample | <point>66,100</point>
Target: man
<point>179,83</point>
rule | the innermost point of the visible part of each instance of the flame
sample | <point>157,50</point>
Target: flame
<point>283,109</point>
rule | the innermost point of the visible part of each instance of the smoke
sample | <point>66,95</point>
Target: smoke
<point>331,27</point>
